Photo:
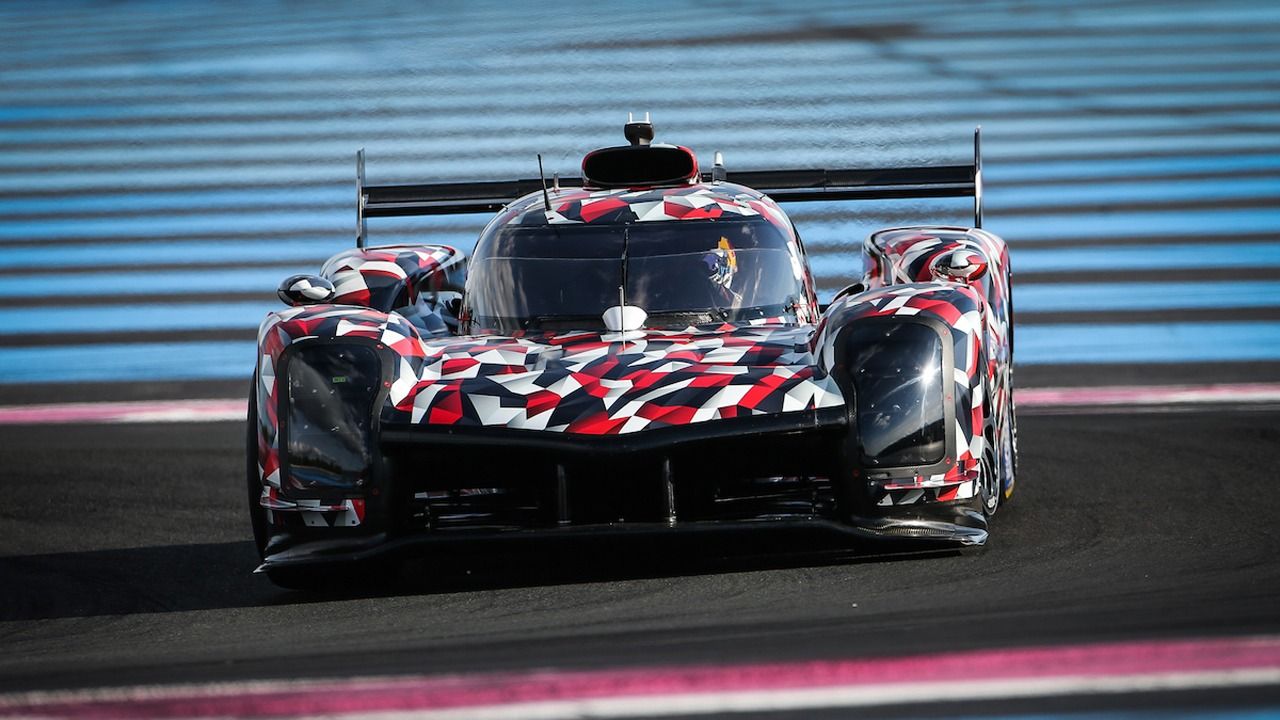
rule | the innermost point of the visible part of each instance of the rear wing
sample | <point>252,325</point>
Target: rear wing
<point>932,181</point>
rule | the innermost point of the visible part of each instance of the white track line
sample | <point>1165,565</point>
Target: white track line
<point>851,696</point>
<point>694,702</point>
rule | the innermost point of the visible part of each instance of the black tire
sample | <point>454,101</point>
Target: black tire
<point>1011,421</point>
<point>257,513</point>
<point>1000,454</point>
<point>1009,447</point>
<point>989,475</point>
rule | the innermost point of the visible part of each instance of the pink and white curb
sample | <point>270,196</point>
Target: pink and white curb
<point>1122,668</point>
<point>157,411</point>
<point>1050,399</point>
<point>1148,395</point>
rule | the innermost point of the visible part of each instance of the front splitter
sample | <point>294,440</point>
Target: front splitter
<point>881,534</point>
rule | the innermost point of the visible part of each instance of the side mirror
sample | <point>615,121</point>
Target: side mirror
<point>960,266</point>
<point>305,290</point>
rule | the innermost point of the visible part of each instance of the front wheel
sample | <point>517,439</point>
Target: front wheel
<point>1009,446</point>
<point>257,513</point>
<point>989,477</point>
<point>1000,455</point>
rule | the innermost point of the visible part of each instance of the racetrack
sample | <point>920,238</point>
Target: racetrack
<point>163,166</point>
<point>138,570</point>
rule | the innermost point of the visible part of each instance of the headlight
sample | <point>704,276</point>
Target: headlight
<point>328,413</point>
<point>898,371</point>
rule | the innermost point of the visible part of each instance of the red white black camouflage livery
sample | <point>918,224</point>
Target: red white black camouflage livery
<point>639,349</point>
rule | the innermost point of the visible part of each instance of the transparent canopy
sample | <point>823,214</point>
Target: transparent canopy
<point>559,277</point>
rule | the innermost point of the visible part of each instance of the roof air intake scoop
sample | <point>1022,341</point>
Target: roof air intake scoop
<point>640,164</point>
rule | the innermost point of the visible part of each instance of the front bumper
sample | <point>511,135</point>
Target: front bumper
<point>777,467</point>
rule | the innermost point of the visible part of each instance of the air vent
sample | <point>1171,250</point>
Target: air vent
<point>640,166</point>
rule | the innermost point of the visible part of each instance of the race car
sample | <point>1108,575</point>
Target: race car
<point>638,350</point>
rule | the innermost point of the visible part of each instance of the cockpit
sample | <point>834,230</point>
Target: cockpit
<point>556,277</point>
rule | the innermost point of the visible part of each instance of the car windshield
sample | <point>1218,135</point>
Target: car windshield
<point>558,277</point>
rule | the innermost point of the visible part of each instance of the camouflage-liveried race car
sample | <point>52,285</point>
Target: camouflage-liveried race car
<point>639,349</point>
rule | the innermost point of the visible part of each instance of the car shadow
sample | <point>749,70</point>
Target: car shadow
<point>176,578</point>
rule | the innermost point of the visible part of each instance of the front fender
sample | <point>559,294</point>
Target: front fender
<point>955,313</point>
<point>393,344</point>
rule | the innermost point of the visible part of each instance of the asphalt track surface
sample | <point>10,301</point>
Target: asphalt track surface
<point>135,570</point>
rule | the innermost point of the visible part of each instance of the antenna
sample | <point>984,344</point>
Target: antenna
<point>361,228</point>
<point>546,199</point>
<point>718,173</point>
<point>977,177</point>
<point>622,289</point>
